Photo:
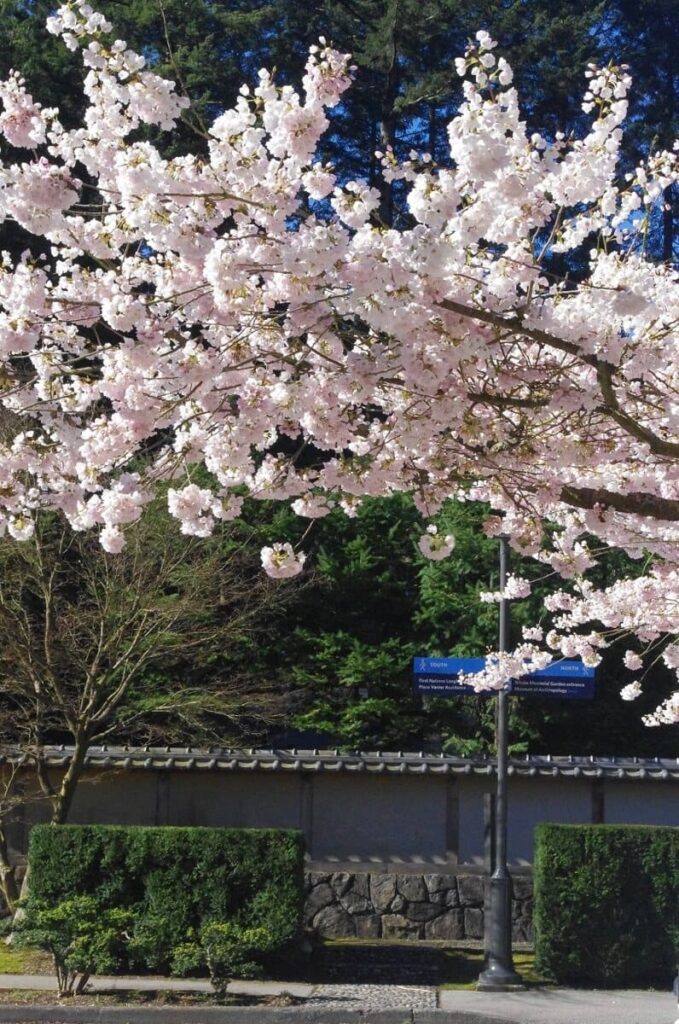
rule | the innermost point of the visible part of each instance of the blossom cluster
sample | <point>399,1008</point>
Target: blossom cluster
<point>515,587</point>
<point>199,310</point>
<point>502,667</point>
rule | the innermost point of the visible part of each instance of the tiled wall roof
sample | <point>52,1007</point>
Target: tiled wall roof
<point>394,763</point>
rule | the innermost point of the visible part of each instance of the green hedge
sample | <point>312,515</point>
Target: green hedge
<point>607,904</point>
<point>175,883</point>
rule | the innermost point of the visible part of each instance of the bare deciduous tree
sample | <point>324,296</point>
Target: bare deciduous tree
<point>134,645</point>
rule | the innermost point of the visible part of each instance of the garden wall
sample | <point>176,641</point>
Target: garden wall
<point>415,823</point>
<point>341,904</point>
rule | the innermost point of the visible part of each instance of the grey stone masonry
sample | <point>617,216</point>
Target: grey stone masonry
<point>364,905</point>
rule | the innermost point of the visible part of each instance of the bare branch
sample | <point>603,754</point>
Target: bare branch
<point>638,503</point>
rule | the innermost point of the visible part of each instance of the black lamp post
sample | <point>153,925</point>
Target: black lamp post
<point>499,972</point>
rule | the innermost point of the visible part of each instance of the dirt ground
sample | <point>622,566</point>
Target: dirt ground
<point>26,997</point>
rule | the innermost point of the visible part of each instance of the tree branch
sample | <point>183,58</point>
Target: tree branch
<point>604,371</point>
<point>635,502</point>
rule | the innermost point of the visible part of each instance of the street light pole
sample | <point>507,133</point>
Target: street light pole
<point>499,972</point>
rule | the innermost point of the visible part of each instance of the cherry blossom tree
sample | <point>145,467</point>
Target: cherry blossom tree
<point>249,312</point>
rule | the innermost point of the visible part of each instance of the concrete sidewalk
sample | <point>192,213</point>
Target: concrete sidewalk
<point>533,1006</point>
<point>48,983</point>
<point>567,1006</point>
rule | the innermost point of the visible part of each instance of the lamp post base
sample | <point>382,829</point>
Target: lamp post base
<point>497,977</point>
<point>498,973</point>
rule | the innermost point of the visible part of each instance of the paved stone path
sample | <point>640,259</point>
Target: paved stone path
<point>373,997</point>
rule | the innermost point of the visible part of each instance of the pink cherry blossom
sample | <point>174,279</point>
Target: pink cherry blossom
<point>281,562</point>
<point>515,587</point>
<point>434,546</point>
<point>206,317</point>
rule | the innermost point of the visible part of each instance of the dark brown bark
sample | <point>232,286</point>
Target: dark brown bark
<point>8,878</point>
<point>388,122</point>
<point>668,224</point>
<point>610,405</point>
<point>636,502</point>
<point>63,798</point>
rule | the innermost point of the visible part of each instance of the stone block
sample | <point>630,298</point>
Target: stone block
<point>447,926</point>
<point>422,911</point>
<point>355,904</point>
<point>382,890</point>
<point>452,898</point>
<point>522,930</point>
<point>361,885</point>
<point>316,877</point>
<point>439,883</point>
<point>320,896</point>
<point>473,923</point>
<point>471,889</point>
<point>395,926</point>
<point>397,904</point>
<point>412,887</point>
<point>522,887</point>
<point>341,881</point>
<point>334,923</point>
<point>368,926</point>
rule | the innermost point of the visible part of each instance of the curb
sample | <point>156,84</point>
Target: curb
<point>60,1014</point>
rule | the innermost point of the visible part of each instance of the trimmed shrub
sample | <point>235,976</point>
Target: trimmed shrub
<point>174,883</point>
<point>227,951</point>
<point>607,904</point>
<point>82,938</point>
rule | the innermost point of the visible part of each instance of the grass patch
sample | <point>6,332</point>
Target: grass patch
<point>23,961</point>
<point>451,965</point>
<point>463,967</point>
<point>458,967</point>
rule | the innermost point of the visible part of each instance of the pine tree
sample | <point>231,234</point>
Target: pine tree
<point>645,34</point>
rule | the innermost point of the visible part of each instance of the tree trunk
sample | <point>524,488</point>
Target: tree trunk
<point>8,879</point>
<point>432,130</point>
<point>387,139</point>
<point>61,801</point>
<point>63,798</point>
<point>388,119</point>
<point>668,224</point>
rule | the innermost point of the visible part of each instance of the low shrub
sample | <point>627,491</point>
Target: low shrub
<point>228,951</point>
<point>222,900</point>
<point>82,937</point>
<point>607,904</point>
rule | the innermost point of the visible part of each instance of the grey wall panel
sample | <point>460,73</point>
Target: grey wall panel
<point>568,801</point>
<point>362,818</point>
<point>115,798</point>
<point>638,803</point>
<point>221,800</point>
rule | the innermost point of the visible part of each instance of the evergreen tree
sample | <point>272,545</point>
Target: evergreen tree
<point>374,603</point>
<point>645,34</point>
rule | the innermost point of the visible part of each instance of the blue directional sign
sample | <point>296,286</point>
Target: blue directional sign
<point>439,677</point>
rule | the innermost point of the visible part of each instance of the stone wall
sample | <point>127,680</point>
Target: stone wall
<point>345,905</point>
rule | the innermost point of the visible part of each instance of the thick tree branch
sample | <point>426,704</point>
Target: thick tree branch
<point>611,405</point>
<point>636,503</point>
<point>604,371</point>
